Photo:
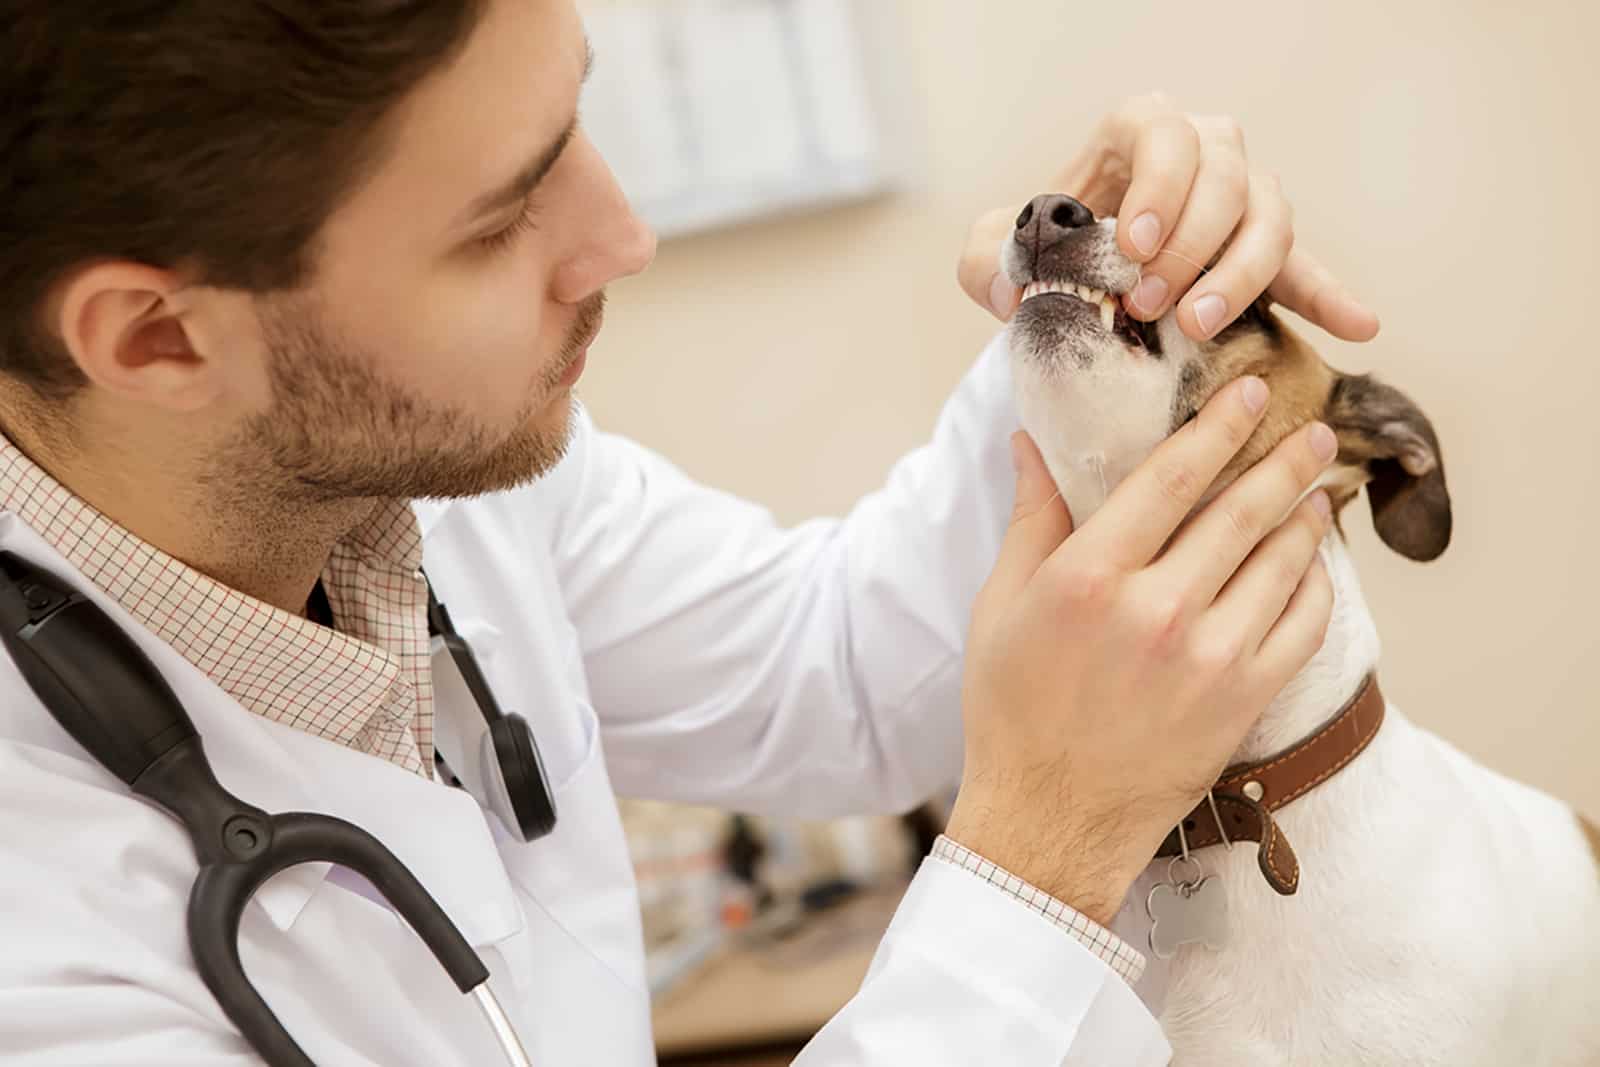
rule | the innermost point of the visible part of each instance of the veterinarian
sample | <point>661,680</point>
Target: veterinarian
<point>295,296</point>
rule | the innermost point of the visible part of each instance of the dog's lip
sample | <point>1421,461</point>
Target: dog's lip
<point>1123,325</point>
<point>1034,278</point>
<point>1065,296</point>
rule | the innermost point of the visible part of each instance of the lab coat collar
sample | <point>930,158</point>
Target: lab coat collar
<point>439,832</point>
<point>429,513</point>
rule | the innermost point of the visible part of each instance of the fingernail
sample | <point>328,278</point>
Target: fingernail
<point>1016,452</point>
<point>1001,295</point>
<point>1324,443</point>
<point>1145,233</point>
<point>1324,506</point>
<point>1255,395</point>
<point>1151,294</point>
<point>1208,312</point>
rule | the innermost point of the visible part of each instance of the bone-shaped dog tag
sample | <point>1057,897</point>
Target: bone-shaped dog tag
<point>1187,913</point>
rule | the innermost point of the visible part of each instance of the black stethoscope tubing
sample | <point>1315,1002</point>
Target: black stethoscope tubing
<point>105,692</point>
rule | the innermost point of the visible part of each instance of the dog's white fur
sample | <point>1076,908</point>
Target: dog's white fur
<point>1446,915</point>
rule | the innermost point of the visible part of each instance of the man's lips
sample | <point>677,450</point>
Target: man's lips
<point>593,331</point>
<point>575,371</point>
<point>580,346</point>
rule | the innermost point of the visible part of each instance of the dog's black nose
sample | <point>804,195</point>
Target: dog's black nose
<point>1048,218</point>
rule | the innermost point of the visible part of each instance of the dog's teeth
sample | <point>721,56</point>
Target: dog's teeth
<point>1093,297</point>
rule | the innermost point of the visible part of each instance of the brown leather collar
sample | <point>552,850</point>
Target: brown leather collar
<point>1247,794</point>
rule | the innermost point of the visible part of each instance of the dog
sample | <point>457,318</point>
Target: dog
<point>1437,912</point>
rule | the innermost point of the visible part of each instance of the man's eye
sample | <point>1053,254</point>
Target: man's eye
<point>507,234</point>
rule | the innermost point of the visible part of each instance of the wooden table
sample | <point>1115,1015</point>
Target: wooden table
<point>745,999</point>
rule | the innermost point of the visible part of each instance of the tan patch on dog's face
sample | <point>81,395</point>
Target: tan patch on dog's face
<point>1300,383</point>
<point>1385,441</point>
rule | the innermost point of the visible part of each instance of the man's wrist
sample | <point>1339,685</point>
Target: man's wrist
<point>1081,870</point>
<point>1093,934</point>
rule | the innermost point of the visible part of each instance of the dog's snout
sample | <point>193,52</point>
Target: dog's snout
<point>1058,239</point>
<point>1049,218</point>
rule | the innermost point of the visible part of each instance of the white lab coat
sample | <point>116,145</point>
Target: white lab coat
<point>664,640</point>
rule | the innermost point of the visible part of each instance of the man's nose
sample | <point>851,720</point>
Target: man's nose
<point>1049,218</point>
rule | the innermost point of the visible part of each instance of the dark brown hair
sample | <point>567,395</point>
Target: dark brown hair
<point>212,136</point>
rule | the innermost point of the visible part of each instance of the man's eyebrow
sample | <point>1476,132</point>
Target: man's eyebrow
<point>528,178</point>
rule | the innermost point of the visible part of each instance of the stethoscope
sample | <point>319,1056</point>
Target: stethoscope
<point>104,691</point>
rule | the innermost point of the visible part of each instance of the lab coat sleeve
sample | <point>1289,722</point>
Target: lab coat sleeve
<point>813,671</point>
<point>969,975</point>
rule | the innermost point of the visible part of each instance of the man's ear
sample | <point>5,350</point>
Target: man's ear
<point>121,322</point>
<point>1383,433</point>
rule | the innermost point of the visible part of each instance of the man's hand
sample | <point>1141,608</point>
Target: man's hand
<point>1111,672</point>
<point>1181,183</point>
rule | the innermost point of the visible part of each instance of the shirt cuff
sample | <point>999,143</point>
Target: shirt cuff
<point>1121,957</point>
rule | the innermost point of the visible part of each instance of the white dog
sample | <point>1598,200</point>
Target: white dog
<point>1410,907</point>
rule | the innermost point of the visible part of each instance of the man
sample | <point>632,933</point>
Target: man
<point>295,294</point>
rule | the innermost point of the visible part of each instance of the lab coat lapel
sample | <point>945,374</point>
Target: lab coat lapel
<point>429,513</point>
<point>438,832</point>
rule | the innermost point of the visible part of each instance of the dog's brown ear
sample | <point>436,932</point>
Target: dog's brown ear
<point>1382,432</point>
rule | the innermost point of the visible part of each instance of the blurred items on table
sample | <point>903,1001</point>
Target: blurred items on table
<point>757,930</point>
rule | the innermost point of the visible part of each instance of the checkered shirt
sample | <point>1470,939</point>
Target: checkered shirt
<point>1115,952</point>
<point>366,685</point>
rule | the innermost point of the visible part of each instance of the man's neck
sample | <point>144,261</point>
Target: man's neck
<point>232,528</point>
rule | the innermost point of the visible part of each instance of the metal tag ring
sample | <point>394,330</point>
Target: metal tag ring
<point>1200,871</point>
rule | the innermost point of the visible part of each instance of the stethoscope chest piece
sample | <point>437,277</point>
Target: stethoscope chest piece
<point>492,755</point>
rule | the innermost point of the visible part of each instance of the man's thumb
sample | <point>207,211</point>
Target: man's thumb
<point>1039,518</point>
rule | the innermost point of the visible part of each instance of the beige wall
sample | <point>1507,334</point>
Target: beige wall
<point>1441,158</point>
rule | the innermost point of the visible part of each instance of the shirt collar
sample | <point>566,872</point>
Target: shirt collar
<point>277,664</point>
<point>438,832</point>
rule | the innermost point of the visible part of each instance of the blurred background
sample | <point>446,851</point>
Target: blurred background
<point>813,167</point>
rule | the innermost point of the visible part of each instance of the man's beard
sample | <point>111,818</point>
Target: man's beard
<point>336,430</point>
